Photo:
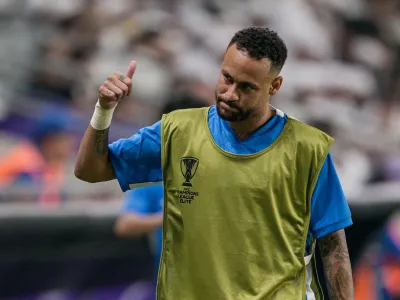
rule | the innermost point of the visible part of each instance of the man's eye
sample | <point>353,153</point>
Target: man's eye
<point>227,78</point>
<point>248,88</point>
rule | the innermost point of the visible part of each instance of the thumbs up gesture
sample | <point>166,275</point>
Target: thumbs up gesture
<point>116,87</point>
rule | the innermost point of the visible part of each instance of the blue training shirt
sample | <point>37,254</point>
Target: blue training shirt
<point>137,160</point>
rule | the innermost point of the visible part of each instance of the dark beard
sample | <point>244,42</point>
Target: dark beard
<point>237,115</point>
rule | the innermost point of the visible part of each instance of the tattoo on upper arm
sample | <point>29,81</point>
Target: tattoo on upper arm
<point>337,268</point>
<point>334,243</point>
<point>102,142</point>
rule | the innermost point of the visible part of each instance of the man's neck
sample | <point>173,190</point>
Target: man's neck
<point>245,128</point>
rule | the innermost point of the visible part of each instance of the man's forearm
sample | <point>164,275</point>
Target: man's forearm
<point>131,225</point>
<point>92,164</point>
<point>337,267</point>
<point>102,142</point>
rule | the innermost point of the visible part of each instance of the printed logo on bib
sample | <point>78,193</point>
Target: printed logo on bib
<point>188,168</point>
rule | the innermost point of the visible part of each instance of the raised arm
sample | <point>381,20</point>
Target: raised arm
<point>337,268</point>
<point>93,163</point>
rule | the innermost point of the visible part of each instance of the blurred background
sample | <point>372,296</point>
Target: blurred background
<point>342,76</point>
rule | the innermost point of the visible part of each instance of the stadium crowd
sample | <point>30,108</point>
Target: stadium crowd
<point>342,75</point>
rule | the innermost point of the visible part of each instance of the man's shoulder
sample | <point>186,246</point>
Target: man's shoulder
<point>308,137</point>
<point>305,130</point>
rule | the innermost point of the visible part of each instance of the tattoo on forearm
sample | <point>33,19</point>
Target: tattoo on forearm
<point>337,268</point>
<point>102,142</point>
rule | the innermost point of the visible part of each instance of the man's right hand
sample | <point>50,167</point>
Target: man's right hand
<point>93,163</point>
<point>116,87</point>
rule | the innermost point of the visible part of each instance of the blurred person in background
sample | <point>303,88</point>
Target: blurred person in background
<point>221,238</point>
<point>142,212</point>
<point>34,170</point>
<point>377,273</point>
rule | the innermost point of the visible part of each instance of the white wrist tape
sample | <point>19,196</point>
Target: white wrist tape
<point>101,117</point>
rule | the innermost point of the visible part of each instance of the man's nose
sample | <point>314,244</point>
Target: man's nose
<point>231,94</point>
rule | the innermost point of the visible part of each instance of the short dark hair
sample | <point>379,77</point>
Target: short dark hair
<point>259,43</point>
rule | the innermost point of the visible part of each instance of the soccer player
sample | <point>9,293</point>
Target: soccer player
<point>248,190</point>
<point>142,211</point>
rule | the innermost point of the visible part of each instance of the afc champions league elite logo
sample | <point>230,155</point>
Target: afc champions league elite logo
<point>189,167</point>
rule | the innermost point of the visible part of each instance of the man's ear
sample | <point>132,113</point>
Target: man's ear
<point>275,86</point>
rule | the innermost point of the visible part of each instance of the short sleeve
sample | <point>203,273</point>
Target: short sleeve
<point>137,160</point>
<point>330,211</point>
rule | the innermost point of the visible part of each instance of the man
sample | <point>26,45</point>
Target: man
<point>142,212</point>
<point>247,189</point>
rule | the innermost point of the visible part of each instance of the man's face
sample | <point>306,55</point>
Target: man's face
<point>244,86</point>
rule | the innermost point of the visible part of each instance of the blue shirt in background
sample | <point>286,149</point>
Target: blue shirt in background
<point>145,201</point>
